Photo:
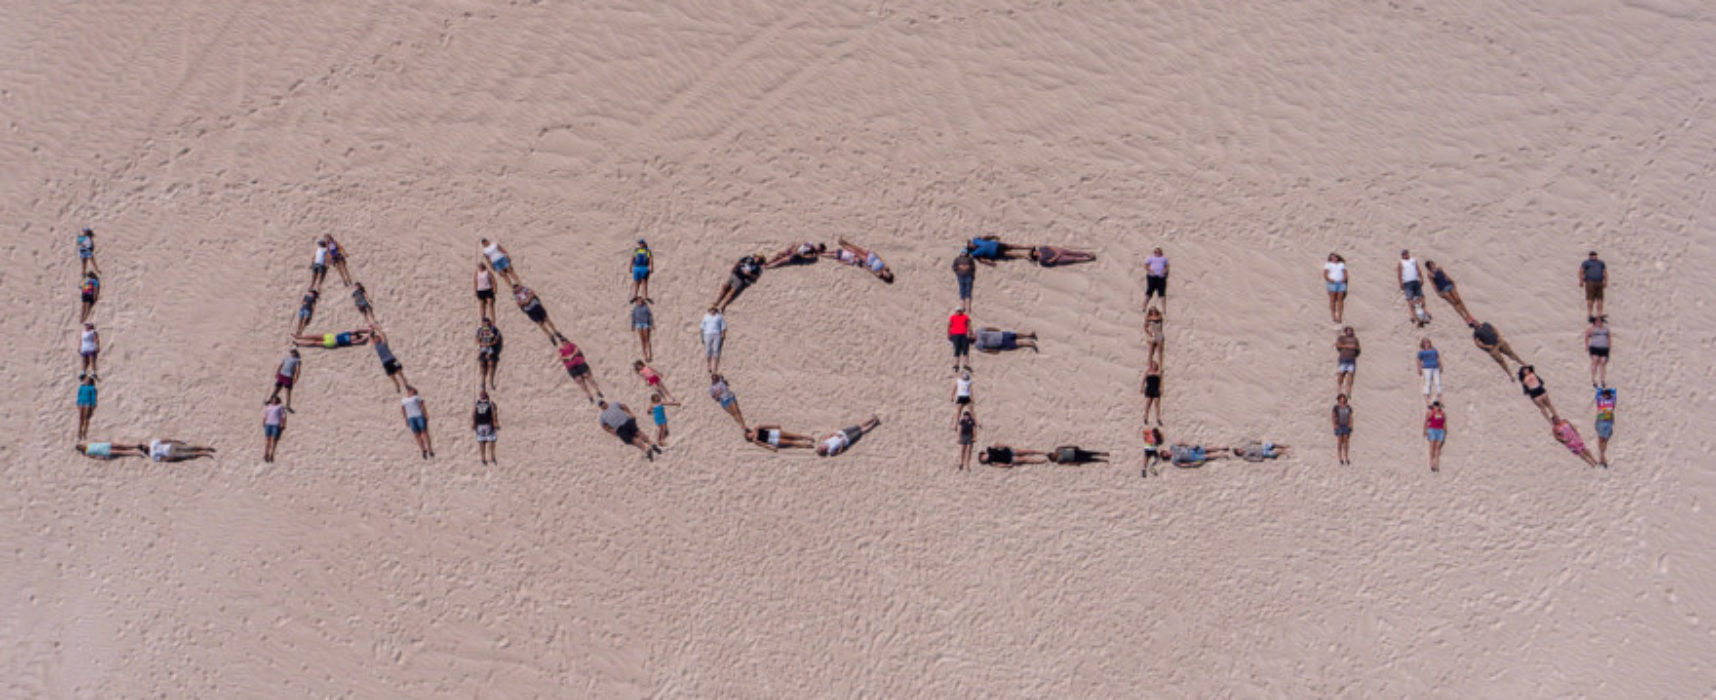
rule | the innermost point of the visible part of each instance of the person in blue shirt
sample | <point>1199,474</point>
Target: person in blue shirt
<point>643,263</point>
<point>1430,368</point>
<point>86,400</point>
<point>86,251</point>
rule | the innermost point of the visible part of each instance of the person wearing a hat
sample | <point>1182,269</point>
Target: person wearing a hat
<point>643,263</point>
<point>959,333</point>
<point>1593,276</point>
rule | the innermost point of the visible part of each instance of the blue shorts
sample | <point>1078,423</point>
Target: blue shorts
<point>272,431</point>
<point>502,264</point>
<point>85,253</point>
<point>418,424</point>
<point>84,401</point>
<point>1436,434</point>
<point>640,274</point>
<point>1605,429</point>
<point>1343,431</point>
<point>1414,289</point>
<point>1346,366</point>
<point>727,401</point>
<point>964,285</point>
<point>985,249</point>
<point>1335,286</point>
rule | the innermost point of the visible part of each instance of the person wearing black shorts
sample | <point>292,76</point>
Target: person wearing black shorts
<point>1153,392</point>
<point>1156,278</point>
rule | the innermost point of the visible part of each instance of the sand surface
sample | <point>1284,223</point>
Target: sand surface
<point>208,142</point>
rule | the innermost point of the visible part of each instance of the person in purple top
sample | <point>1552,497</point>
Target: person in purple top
<point>1156,279</point>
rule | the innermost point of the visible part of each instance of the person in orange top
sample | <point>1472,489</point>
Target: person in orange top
<point>959,333</point>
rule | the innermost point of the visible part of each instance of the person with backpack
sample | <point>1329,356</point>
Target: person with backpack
<point>643,264</point>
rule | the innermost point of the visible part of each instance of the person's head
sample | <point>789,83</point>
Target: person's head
<point>887,275</point>
<point>273,400</point>
<point>488,321</point>
<point>358,286</point>
<point>86,378</point>
<point>1435,405</point>
<point>1425,343</point>
<point>91,275</point>
<point>484,241</point>
<point>89,232</point>
<point>321,243</point>
<point>313,295</point>
<point>1154,312</point>
<point>1341,399</point>
<point>1157,252</point>
<point>957,310</point>
<point>965,412</point>
<point>88,326</point>
<point>1032,254</point>
<point>561,338</point>
<point>410,390</point>
<point>482,268</point>
<point>637,365</point>
<point>966,375</point>
<point>603,404</point>
<point>1473,323</point>
<point>714,311</point>
<point>655,398</point>
<point>1334,258</point>
<point>1155,366</point>
<point>714,377</point>
<point>1430,265</point>
<point>482,394</point>
<point>1347,331</point>
<point>823,247</point>
<point>969,249</point>
<point>293,352</point>
<point>638,301</point>
<point>1405,254</point>
<point>1599,320</point>
<point>642,243</point>
<point>1593,255</point>
<point>982,457</point>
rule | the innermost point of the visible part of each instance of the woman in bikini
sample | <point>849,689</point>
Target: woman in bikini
<point>851,254</point>
<point>1051,256</point>
<point>774,439</point>
<point>570,356</point>
<point>1152,389</point>
<point>651,378</point>
<point>1153,333</point>
<point>1568,436</point>
<point>1534,390</point>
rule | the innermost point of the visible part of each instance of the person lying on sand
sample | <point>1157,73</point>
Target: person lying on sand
<point>1257,451</point>
<point>1051,256</point>
<point>851,254</point>
<point>177,451</point>
<point>1568,436</point>
<point>108,450</point>
<point>1539,394</point>
<point>836,443</point>
<point>332,340</point>
<point>1191,456</point>
<point>619,421</point>
<point>988,249</point>
<point>744,274</point>
<point>1490,340</point>
<point>773,438</point>
<point>993,340</point>
<point>723,395</point>
<point>1072,454</point>
<point>1007,456</point>
<point>802,253</point>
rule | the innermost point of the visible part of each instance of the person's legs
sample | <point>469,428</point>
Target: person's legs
<point>1544,407</point>
<point>732,408</point>
<point>1333,314</point>
<point>1508,350</point>
<point>643,339</point>
<point>1435,455</point>
<point>1495,353</point>
<point>1603,371</point>
<point>1594,370</point>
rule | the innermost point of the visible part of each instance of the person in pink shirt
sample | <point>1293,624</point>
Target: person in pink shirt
<point>959,333</point>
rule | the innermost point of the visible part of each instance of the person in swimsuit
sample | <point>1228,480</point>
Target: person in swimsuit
<point>619,421</point>
<point>1445,288</point>
<point>714,327</point>
<point>1346,360</point>
<point>484,284</point>
<point>572,358</point>
<point>337,257</point>
<point>745,273</point>
<point>500,261</point>
<point>988,249</point>
<point>89,349</point>
<point>801,254</point>
<point>177,451</point>
<point>86,251</point>
<point>417,419</point>
<point>332,340</point>
<point>723,395</point>
<point>1605,423</point>
<point>1436,432</point>
<point>1534,390</point>
<point>1152,389</point>
<point>1594,277</point>
<point>1152,452</point>
<point>1597,341</point>
<point>273,424</point>
<point>89,292</point>
<point>389,364</point>
<point>1153,332</point>
<point>1335,281</point>
<point>1156,279</point>
<point>1568,436</point>
<point>1258,451</point>
<point>994,340</point>
<point>108,450</point>
<point>489,342</point>
<point>306,310</point>
<point>966,424</point>
<point>1411,285</point>
<point>658,412</point>
<point>643,265</point>
<point>1342,418</point>
<point>533,309</point>
<point>959,334</point>
<point>1490,340</point>
<point>1193,456</point>
<point>286,375</point>
<point>837,443</point>
<point>485,422</point>
<point>774,439</point>
<point>86,401</point>
<point>851,254</point>
<point>1052,256</point>
<point>1007,456</point>
<point>360,298</point>
<point>1430,368</point>
<point>1072,454</point>
<point>964,274</point>
<point>961,393</point>
<point>319,265</point>
<point>643,321</point>
<point>651,378</point>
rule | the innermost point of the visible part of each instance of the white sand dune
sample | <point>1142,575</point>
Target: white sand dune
<point>209,142</point>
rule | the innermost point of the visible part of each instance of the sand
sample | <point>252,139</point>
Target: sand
<point>209,142</point>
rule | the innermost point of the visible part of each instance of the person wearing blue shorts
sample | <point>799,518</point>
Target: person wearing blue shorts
<point>643,263</point>
<point>86,251</point>
<point>723,395</point>
<point>1605,423</point>
<point>1335,281</point>
<point>86,400</point>
<point>417,419</point>
<point>273,423</point>
<point>1346,362</point>
<point>1435,431</point>
<point>500,261</point>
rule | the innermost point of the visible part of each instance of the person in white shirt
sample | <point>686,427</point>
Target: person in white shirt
<point>714,334</point>
<point>837,443</point>
<point>1411,284</point>
<point>319,266</point>
<point>177,451</point>
<point>89,348</point>
<point>500,261</point>
<point>1335,280</point>
<point>417,418</point>
<point>485,286</point>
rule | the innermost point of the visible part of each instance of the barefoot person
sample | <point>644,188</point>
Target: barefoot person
<point>360,299</point>
<point>1490,340</point>
<point>959,334</point>
<point>658,413</point>
<point>1258,451</point>
<point>1445,288</point>
<point>995,340</point>
<point>802,253</point>
<point>965,274</point>
<point>961,393</point>
<point>643,265</point>
<point>500,261</point>
<point>306,310</point>
<point>108,450</point>
<point>1534,390</point>
<point>286,375</point>
<point>485,422</point>
<point>417,419</point>
<point>643,321</point>
<point>1436,432</point>
<point>1346,360</point>
<point>1568,436</point>
<point>489,343</point>
<point>1605,423</point>
<point>1594,277</point>
<point>1412,287</point>
<point>618,420</point>
<point>651,378</point>
<point>1152,452</point>
<point>1597,341</point>
<point>1053,256</point>
<point>89,349</point>
<point>532,307</point>
<point>273,424</point>
<point>773,438</point>
<point>1152,389</point>
<point>988,249</point>
<point>86,252</point>
<point>966,425</point>
<point>714,327</point>
<point>86,402</point>
<point>745,273</point>
<point>389,363</point>
<point>1007,456</point>
<point>484,284</point>
<point>1073,454</point>
<point>337,258</point>
<point>1157,338</point>
<point>89,292</point>
<point>1156,278</point>
<point>723,395</point>
<point>319,265</point>
<point>1342,418</point>
<point>1187,456</point>
<point>177,451</point>
<point>837,443</point>
<point>571,357</point>
<point>1430,368</point>
<point>332,340</point>
<point>1335,281</point>
<point>851,254</point>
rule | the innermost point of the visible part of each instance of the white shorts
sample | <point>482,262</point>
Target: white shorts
<point>485,433</point>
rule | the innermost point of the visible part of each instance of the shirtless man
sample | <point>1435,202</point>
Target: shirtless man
<point>1346,360</point>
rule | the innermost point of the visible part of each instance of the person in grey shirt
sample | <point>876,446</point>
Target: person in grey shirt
<point>618,420</point>
<point>1593,276</point>
<point>643,321</point>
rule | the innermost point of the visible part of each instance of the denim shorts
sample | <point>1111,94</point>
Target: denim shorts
<point>418,424</point>
<point>1436,434</point>
<point>1335,286</point>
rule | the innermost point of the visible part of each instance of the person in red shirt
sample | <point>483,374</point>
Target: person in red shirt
<point>959,333</point>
